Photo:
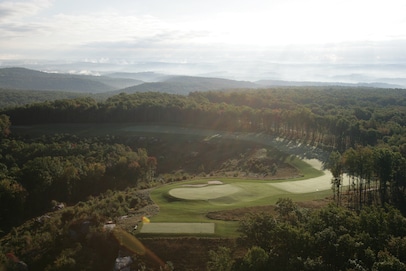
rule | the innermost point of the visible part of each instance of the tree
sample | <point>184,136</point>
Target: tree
<point>398,184</point>
<point>258,230</point>
<point>151,165</point>
<point>4,125</point>
<point>335,165</point>
<point>287,210</point>
<point>358,164</point>
<point>256,259</point>
<point>397,247</point>
<point>220,260</point>
<point>12,200</point>
<point>388,262</point>
<point>383,165</point>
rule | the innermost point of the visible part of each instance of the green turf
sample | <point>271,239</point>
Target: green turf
<point>252,193</point>
<point>176,228</point>
<point>307,170</point>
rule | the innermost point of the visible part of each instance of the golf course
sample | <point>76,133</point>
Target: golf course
<point>184,206</point>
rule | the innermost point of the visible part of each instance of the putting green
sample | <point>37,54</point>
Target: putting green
<point>178,228</point>
<point>249,191</point>
<point>204,193</point>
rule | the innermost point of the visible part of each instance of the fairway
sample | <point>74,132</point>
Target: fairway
<point>310,185</point>
<point>207,228</point>
<point>245,191</point>
<point>249,190</point>
<point>184,205</point>
<point>305,186</point>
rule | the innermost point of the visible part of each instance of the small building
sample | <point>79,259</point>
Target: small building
<point>123,263</point>
<point>110,225</point>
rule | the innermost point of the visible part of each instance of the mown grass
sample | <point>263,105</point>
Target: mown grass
<point>307,170</point>
<point>252,193</point>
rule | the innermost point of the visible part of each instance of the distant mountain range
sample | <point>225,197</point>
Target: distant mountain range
<point>19,86</point>
<point>114,83</point>
<point>274,83</point>
<point>141,76</point>
<point>187,84</point>
<point>26,79</point>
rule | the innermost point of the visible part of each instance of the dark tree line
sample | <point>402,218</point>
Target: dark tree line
<point>4,126</point>
<point>335,118</point>
<point>63,168</point>
<point>332,238</point>
<point>369,176</point>
<point>12,98</point>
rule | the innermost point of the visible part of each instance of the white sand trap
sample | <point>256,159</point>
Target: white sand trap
<point>194,185</point>
<point>321,183</point>
<point>215,182</point>
<point>204,193</point>
<point>203,184</point>
<point>178,228</point>
<point>307,186</point>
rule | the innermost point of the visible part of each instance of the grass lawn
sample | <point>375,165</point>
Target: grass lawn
<point>188,228</point>
<point>190,201</point>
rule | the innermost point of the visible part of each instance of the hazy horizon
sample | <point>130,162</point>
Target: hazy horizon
<point>280,40</point>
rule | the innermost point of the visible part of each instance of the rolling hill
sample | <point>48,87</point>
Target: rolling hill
<point>26,79</point>
<point>279,83</point>
<point>140,76</point>
<point>16,97</point>
<point>187,84</point>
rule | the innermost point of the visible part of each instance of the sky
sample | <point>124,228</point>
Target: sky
<point>189,31</point>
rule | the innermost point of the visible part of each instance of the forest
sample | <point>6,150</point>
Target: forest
<point>363,129</point>
<point>336,117</point>
<point>332,238</point>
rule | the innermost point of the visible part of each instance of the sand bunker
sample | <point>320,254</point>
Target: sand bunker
<point>306,186</point>
<point>203,184</point>
<point>204,193</point>
<point>215,182</point>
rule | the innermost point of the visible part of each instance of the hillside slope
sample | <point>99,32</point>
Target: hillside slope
<point>187,84</point>
<point>16,97</point>
<point>26,79</point>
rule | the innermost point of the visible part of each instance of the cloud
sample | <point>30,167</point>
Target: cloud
<point>12,10</point>
<point>314,30</point>
<point>16,20</point>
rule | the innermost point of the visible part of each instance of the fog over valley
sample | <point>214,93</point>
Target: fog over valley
<point>338,41</point>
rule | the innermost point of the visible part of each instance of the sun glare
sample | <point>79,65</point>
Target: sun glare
<point>301,23</point>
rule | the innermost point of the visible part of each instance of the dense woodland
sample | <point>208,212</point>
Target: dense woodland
<point>10,98</point>
<point>65,169</point>
<point>332,238</point>
<point>336,117</point>
<point>349,121</point>
<point>364,129</point>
